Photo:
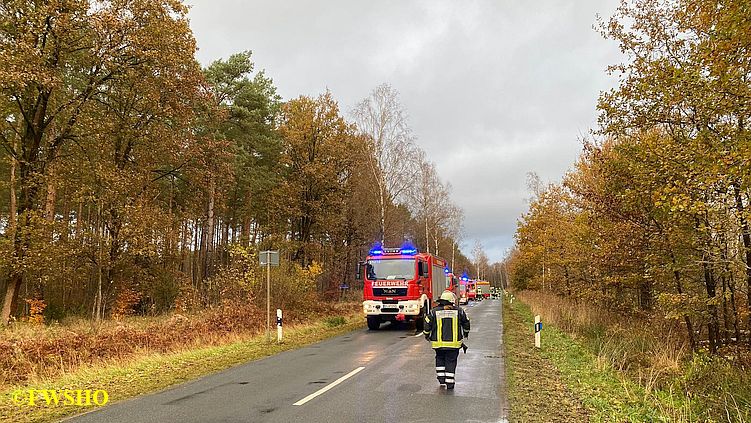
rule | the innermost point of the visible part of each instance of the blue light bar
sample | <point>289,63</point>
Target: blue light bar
<point>408,249</point>
<point>377,250</point>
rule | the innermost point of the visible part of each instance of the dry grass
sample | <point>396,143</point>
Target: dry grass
<point>30,352</point>
<point>649,351</point>
<point>653,355</point>
<point>149,372</point>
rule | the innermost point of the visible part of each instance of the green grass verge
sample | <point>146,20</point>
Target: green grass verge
<point>158,371</point>
<point>606,395</point>
<point>535,387</point>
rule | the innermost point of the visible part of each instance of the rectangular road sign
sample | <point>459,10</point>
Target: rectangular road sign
<point>269,258</point>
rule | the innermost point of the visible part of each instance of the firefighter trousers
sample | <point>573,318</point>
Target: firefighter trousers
<point>445,365</point>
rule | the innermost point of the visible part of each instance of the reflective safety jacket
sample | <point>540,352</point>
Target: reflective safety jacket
<point>442,326</point>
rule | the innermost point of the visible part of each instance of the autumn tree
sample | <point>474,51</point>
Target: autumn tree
<point>687,75</point>
<point>318,159</point>
<point>654,216</point>
<point>63,60</point>
<point>392,156</point>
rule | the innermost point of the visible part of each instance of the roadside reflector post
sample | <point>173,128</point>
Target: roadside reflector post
<point>279,325</point>
<point>538,329</point>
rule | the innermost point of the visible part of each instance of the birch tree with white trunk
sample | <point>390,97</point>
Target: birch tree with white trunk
<point>393,155</point>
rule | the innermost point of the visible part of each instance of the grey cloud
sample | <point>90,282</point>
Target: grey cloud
<point>494,89</point>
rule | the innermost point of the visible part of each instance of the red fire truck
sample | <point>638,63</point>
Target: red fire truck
<point>471,290</point>
<point>463,299</point>
<point>453,284</point>
<point>401,284</point>
<point>483,288</point>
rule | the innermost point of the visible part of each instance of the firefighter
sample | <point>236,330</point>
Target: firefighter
<point>445,327</point>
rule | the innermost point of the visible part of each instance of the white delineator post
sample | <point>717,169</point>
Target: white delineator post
<point>538,329</point>
<point>279,325</point>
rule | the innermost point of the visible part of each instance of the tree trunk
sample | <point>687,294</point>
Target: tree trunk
<point>382,206</point>
<point>225,241</point>
<point>746,235</point>
<point>12,211</point>
<point>686,318</point>
<point>29,196</point>
<point>427,240</point>
<point>49,206</point>
<point>79,218</point>
<point>208,247</point>
<point>66,216</point>
<point>713,325</point>
<point>645,295</point>
<point>10,288</point>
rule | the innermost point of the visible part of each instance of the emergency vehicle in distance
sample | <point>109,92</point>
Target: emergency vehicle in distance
<point>483,289</point>
<point>471,292</point>
<point>401,284</point>
<point>463,299</point>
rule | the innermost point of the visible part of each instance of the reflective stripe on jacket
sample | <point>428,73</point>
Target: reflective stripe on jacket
<point>442,326</point>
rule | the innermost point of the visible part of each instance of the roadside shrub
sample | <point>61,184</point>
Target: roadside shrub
<point>36,310</point>
<point>335,321</point>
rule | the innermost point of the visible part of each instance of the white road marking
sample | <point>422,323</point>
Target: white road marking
<point>329,386</point>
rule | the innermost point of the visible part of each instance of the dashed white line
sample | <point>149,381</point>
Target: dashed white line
<point>329,386</point>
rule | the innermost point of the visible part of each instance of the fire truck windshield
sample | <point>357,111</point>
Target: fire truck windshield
<point>391,269</point>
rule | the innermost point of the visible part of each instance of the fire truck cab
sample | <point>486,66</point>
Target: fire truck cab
<point>401,284</point>
<point>483,289</point>
<point>471,290</point>
<point>463,299</point>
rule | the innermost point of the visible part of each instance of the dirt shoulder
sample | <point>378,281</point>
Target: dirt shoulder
<point>536,389</point>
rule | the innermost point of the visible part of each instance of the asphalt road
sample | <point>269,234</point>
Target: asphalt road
<point>365,376</point>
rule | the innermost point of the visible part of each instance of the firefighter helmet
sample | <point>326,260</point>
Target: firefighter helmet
<point>448,296</point>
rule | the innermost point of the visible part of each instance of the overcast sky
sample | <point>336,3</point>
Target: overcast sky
<point>494,89</point>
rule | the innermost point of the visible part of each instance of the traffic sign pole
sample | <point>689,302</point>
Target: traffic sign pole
<point>268,297</point>
<point>271,259</point>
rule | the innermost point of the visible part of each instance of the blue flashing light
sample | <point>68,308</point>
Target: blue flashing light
<point>465,277</point>
<point>408,249</point>
<point>446,270</point>
<point>377,250</point>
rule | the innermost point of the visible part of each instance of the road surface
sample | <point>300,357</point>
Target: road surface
<point>364,376</point>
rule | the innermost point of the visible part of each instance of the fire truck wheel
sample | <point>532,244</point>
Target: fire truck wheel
<point>374,322</point>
